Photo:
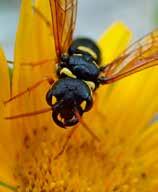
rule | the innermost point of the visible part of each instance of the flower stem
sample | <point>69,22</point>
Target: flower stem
<point>12,188</point>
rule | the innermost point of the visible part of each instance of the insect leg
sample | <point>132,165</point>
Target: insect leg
<point>72,131</point>
<point>97,106</point>
<point>36,63</point>
<point>86,126</point>
<point>71,134</point>
<point>50,80</point>
<point>39,63</point>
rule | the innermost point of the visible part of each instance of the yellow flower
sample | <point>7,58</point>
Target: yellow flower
<point>122,117</point>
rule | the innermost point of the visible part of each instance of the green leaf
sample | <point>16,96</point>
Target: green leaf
<point>12,188</point>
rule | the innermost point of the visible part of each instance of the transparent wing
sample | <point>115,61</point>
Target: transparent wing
<point>140,55</point>
<point>63,14</point>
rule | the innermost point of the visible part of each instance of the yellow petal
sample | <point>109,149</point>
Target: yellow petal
<point>128,105</point>
<point>7,153</point>
<point>126,110</point>
<point>115,118</point>
<point>114,41</point>
<point>33,45</point>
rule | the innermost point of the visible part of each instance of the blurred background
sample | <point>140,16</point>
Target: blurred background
<point>93,17</point>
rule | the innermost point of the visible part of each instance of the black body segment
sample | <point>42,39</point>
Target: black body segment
<point>69,94</point>
<point>78,73</point>
<point>81,68</point>
<point>89,44</point>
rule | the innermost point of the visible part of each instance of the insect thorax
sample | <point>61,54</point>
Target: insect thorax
<point>81,62</point>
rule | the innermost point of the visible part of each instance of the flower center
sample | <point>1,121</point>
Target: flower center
<point>38,171</point>
<point>84,166</point>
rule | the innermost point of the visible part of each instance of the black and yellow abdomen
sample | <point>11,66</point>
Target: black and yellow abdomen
<point>85,46</point>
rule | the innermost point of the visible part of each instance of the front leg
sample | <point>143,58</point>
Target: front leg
<point>50,81</point>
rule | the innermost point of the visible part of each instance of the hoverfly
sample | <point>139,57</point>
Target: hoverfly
<point>79,71</point>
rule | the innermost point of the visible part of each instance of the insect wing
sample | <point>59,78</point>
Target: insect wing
<point>63,14</point>
<point>140,55</point>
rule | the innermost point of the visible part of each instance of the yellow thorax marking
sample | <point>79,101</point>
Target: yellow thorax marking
<point>83,105</point>
<point>88,50</point>
<point>90,84</point>
<point>54,100</point>
<point>67,72</point>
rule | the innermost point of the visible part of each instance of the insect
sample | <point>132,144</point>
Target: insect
<point>79,71</point>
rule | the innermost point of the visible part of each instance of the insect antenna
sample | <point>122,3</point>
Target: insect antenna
<point>49,80</point>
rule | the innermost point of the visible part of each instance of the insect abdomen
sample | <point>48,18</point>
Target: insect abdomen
<point>87,46</point>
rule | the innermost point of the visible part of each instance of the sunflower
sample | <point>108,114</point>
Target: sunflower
<point>122,117</point>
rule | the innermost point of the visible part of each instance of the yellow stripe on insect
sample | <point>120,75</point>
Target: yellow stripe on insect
<point>67,72</point>
<point>54,100</point>
<point>90,84</point>
<point>88,50</point>
<point>83,105</point>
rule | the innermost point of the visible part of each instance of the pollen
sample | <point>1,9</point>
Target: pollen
<point>109,170</point>
<point>38,171</point>
<point>37,168</point>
